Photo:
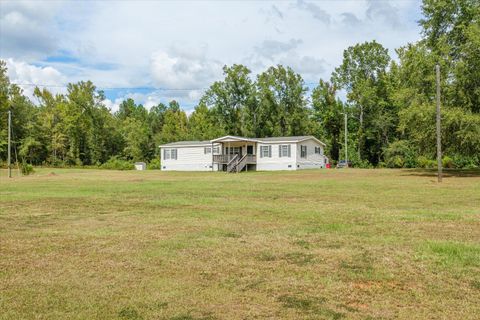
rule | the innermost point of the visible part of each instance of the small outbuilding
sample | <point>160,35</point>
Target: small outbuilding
<point>140,166</point>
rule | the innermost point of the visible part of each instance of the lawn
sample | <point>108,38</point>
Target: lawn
<point>320,244</point>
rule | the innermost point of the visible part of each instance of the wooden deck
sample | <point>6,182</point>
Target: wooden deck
<point>225,158</point>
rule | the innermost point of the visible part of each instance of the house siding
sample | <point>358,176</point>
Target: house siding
<point>313,160</point>
<point>275,162</point>
<point>188,159</point>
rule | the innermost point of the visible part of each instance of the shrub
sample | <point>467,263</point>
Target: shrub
<point>424,162</point>
<point>26,169</point>
<point>400,154</point>
<point>447,162</point>
<point>465,162</point>
<point>115,163</point>
<point>154,164</point>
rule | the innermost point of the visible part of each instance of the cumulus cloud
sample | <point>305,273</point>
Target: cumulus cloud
<point>27,28</point>
<point>167,45</point>
<point>25,74</point>
<point>182,68</point>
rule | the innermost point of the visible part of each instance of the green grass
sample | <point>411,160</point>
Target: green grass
<point>320,244</point>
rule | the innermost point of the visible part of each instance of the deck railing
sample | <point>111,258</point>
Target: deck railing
<point>226,158</point>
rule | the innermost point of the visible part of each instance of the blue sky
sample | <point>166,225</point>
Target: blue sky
<point>155,51</point>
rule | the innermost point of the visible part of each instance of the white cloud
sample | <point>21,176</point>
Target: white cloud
<point>27,28</point>
<point>24,74</point>
<point>184,68</point>
<point>178,44</point>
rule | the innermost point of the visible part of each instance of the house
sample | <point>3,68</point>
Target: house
<point>234,154</point>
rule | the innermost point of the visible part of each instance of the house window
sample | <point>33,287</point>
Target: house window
<point>318,150</point>
<point>265,151</point>
<point>284,150</point>
<point>216,150</point>
<point>233,150</point>
<point>207,150</point>
<point>303,151</point>
<point>170,154</point>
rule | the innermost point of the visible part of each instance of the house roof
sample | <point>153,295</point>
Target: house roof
<point>231,138</point>
<point>186,143</point>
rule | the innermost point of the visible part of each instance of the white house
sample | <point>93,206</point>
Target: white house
<point>234,154</point>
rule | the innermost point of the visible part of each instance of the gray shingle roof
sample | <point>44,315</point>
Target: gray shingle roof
<point>294,138</point>
<point>185,143</point>
<point>269,139</point>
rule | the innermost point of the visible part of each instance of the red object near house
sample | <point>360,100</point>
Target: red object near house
<point>328,165</point>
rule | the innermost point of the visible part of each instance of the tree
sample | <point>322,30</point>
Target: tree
<point>327,115</point>
<point>201,124</point>
<point>174,126</point>
<point>363,74</point>
<point>283,106</point>
<point>232,102</point>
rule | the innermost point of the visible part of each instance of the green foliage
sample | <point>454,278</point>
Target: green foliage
<point>154,164</point>
<point>26,168</point>
<point>390,106</point>
<point>114,163</point>
<point>400,154</point>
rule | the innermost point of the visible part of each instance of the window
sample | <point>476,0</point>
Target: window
<point>216,150</point>
<point>265,151</point>
<point>170,154</point>
<point>318,150</point>
<point>233,150</point>
<point>303,151</point>
<point>284,150</point>
<point>207,150</point>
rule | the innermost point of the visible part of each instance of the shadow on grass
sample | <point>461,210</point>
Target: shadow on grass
<point>462,173</point>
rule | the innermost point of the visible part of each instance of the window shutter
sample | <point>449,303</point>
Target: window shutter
<point>164,154</point>
<point>261,151</point>
<point>280,150</point>
<point>289,151</point>
<point>269,151</point>
<point>174,154</point>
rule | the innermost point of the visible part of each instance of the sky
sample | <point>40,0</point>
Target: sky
<point>156,51</point>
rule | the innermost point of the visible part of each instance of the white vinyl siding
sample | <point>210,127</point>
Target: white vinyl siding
<point>276,156</point>
<point>310,155</point>
<point>190,158</point>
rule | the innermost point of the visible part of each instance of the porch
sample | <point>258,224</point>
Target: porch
<point>235,154</point>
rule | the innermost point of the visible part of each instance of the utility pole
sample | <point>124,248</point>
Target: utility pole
<point>346,138</point>
<point>9,143</point>
<point>439,132</point>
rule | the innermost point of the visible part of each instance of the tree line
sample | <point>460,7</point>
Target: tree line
<point>390,105</point>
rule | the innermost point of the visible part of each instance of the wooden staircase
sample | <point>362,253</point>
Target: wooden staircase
<point>237,164</point>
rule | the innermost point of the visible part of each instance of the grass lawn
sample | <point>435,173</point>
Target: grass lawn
<point>320,244</point>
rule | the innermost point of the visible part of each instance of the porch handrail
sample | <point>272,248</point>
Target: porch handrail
<point>241,163</point>
<point>232,163</point>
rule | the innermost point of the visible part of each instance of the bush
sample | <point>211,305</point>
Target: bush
<point>115,163</point>
<point>464,162</point>
<point>363,164</point>
<point>400,154</point>
<point>424,162</point>
<point>154,164</point>
<point>447,162</point>
<point>26,169</point>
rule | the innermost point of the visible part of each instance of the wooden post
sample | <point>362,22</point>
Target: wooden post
<point>9,143</point>
<point>439,132</point>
